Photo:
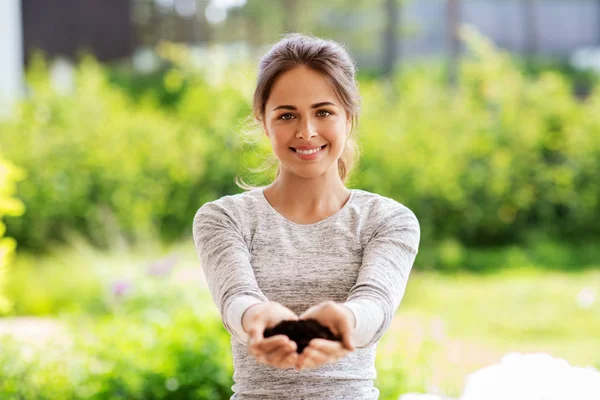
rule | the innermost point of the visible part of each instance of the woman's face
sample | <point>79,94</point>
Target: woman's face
<point>306,123</point>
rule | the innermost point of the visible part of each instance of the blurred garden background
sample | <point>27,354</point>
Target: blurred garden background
<point>121,118</point>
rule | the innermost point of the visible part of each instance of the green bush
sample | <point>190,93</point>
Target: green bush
<point>9,205</point>
<point>497,159</point>
<point>155,355</point>
<point>488,162</point>
<point>103,166</point>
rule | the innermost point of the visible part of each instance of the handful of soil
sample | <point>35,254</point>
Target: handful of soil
<point>302,332</point>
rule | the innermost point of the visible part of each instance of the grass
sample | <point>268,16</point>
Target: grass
<point>451,325</point>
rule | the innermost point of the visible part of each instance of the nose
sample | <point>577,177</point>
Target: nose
<point>306,130</point>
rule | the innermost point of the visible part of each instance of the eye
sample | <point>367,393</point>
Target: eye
<point>323,113</point>
<point>286,116</point>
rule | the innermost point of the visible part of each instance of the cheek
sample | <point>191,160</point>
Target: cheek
<point>280,135</point>
<point>335,133</point>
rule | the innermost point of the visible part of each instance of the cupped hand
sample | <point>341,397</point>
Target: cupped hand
<point>278,350</point>
<point>340,320</point>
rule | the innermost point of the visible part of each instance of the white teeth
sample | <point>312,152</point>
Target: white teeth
<point>308,151</point>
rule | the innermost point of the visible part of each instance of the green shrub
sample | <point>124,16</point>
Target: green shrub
<point>502,156</point>
<point>9,205</point>
<point>153,355</point>
<point>102,166</point>
<point>489,162</point>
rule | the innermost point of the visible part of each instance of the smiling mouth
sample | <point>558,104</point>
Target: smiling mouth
<point>316,150</point>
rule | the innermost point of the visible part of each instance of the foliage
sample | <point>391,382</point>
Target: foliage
<point>499,159</point>
<point>136,330</point>
<point>144,332</point>
<point>491,161</point>
<point>9,205</point>
<point>102,166</point>
<point>153,355</point>
<point>447,326</point>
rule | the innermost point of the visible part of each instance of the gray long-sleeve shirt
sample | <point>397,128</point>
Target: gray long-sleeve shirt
<point>360,257</point>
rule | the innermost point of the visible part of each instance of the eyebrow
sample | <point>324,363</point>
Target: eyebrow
<point>316,105</point>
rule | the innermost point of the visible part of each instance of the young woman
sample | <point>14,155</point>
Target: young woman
<point>306,246</point>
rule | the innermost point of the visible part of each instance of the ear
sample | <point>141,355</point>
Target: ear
<point>265,130</point>
<point>348,125</point>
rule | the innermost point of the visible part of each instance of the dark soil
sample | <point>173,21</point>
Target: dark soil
<point>302,332</point>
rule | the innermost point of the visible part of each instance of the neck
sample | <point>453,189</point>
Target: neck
<point>308,195</point>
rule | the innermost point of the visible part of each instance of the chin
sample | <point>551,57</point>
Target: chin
<point>310,171</point>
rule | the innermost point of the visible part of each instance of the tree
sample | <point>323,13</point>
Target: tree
<point>453,43</point>
<point>391,42</point>
<point>290,15</point>
<point>528,10</point>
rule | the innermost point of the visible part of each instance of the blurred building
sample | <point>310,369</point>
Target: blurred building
<point>544,27</point>
<point>115,29</point>
<point>11,50</point>
<point>66,27</point>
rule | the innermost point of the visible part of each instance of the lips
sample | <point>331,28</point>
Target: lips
<point>307,155</point>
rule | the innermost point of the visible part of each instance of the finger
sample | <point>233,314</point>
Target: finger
<point>254,346</point>
<point>334,351</point>
<point>306,364</point>
<point>300,360</point>
<point>314,358</point>
<point>286,360</point>
<point>307,313</point>
<point>318,357</point>
<point>255,334</point>
<point>255,340</point>
<point>283,310</point>
<point>328,347</point>
<point>265,346</point>
<point>280,353</point>
<point>269,344</point>
<point>347,342</point>
<point>344,331</point>
<point>291,316</point>
<point>290,361</point>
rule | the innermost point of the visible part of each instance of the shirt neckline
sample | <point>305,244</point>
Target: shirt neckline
<point>314,224</point>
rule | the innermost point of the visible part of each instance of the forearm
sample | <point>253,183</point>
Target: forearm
<point>368,321</point>
<point>238,314</point>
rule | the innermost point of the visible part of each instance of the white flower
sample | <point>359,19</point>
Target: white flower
<point>532,377</point>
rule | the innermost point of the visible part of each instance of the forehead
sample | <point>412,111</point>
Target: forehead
<point>299,86</point>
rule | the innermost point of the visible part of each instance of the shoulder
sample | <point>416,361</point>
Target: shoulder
<point>378,209</point>
<point>387,219</point>
<point>235,208</point>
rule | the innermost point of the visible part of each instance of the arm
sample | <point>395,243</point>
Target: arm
<point>225,260</point>
<point>387,262</point>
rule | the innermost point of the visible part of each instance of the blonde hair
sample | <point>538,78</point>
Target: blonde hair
<point>329,59</point>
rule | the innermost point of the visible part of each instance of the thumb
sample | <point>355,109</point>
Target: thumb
<point>255,333</point>
<point>347,341</point>
<point>345,331</point>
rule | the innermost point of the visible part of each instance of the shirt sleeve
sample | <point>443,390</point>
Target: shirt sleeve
<point>225,260</point>
<point>387,262</point>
